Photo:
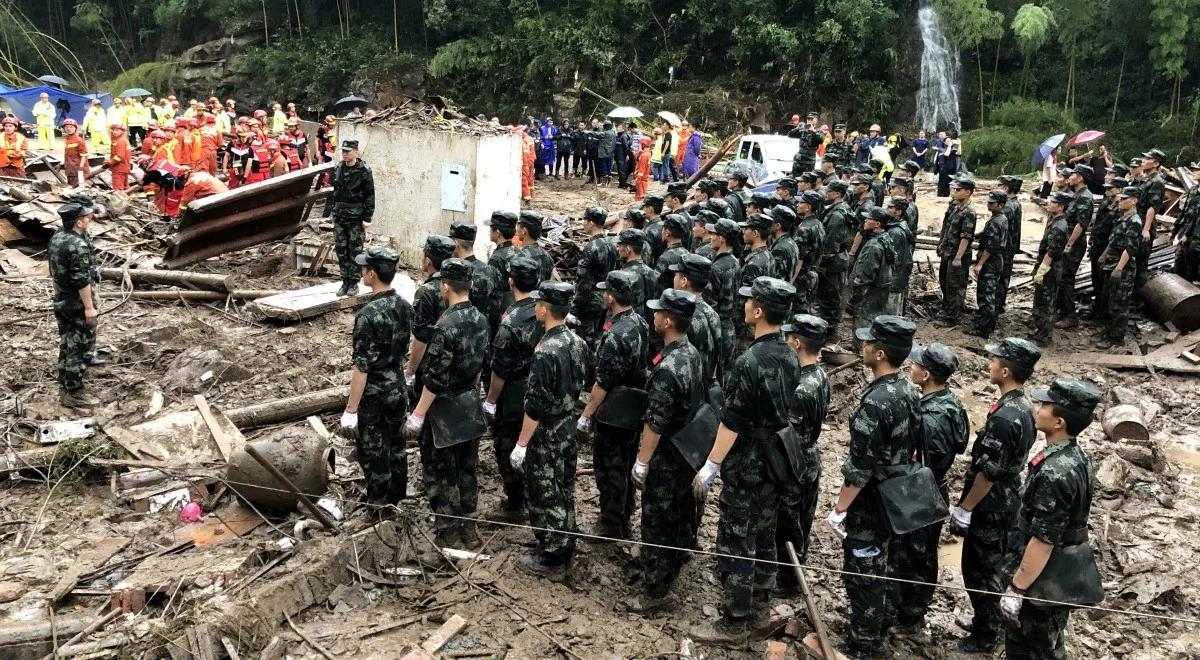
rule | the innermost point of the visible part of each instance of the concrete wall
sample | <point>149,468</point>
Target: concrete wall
<point>408,165</point>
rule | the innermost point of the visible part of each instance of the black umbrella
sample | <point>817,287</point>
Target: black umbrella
<point>350,100</point>
<point>53,80</point>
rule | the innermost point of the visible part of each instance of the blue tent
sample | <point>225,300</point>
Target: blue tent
<point>21,102</point>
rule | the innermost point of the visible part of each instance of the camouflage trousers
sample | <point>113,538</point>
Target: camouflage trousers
<point>590,328</point>
<point>1005,278</point>
<point>1098,277</point>
<point>449,475</point>
<point>899,290</point>
<point>668,518</point>
<point>381,445</point>
<point>953,280</point>
<point>348,237</point>
<point>914,556</point>
<point>613,453</point>
<point>830,303</point>
<point>867,303</point>
<point>749,506</point>
<point>76,341</point>
<point>1065,304</point>
<point>725,348</point>
<point>985,564</point>
<point>1142,259</point>
<point>987,295</point>
<point>1117,299</point>
<point>550,486</point>
<point>1040,634</point>
<point>806,291</point>
<point>797,507</point>
<point>1044,296</point>
<point>870,602</point>
<point>504,438</point>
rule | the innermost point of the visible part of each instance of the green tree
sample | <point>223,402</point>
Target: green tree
<point>970,23</point>
<point>1171,20</point>
<point>1031,26</point>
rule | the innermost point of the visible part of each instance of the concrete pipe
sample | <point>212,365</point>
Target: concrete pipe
<point>1125,422</point>
<point>1174,299</point>
<point>301,455</point>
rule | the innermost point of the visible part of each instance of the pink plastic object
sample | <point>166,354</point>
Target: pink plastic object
<point>191,513</point>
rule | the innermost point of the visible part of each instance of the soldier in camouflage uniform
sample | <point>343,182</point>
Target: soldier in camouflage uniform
<point>352,206</point>
<point>944,431</point>
<point>485,280</point>
<point>786,190</point>
<point>861,202</point>
<point>839,149</point>
<point>378,398</point>
<point>620,361</point>
<point>1047,276</point>
<point>75,309</point>
<point>883,436</point>
<point>673,233</point>
<point>428,306</point>
<point>1153,199</point>
<point>757,394</point>
<point>878,188</point>
<point>871,281</point>
<point>1186,233</point>
<point>1079,216</point>
<point>1055,506</point>
<point>675,387</point>
<point>673,202</point>
<point>700,220</point>
<point>450,369</point>
<point>1102,228</point>
<point>512,355</point>
<point>722,289</point>
<point>954,248</point>
<point>758,262</point>
<point>987,508</point>
<point>737,196</point>
<point>1012,211</point>
<point>810,240</point>
<point>785,255</point>
<point>902,187</point>
<point>810,138</point>
<point>596,259</point>
<point>560,365</point>
<point>1114,262</point>
<point>989,266</point>
<point>504,227</point>
<point>835,257</point>
<point>529,230</point>
<point>630,243</point>
<point>903,241</point>
<point>652,206</point>
<point>806,412</point>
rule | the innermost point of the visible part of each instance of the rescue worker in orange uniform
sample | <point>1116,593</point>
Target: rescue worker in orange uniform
<point>528,162</point>
<point>326,139</point>
<point>298,140</point>
<point>119,161</point>
<point>290,154</point>
<point>198,185</point>
<point>237,158</point>
<point>14,148</point>
<point>163,178</point>
<point>641,173</point>
<point>210,143</point>
<point>164,147</point>
<point>279,164</point>
<point>258,166</point>
<point>74,154</point>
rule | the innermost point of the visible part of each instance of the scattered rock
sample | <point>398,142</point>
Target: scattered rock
<point>1112,474</point>
<point>198,369</point>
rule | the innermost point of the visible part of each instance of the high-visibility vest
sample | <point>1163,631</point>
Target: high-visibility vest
<point>18,144</point>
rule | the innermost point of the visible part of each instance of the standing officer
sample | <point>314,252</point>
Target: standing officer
<point>987,508</point>
<point>596,259</point>
<point>427,303</point>
<point>693,274</point>
<point>757,263</point>
<point>378,398</point>
<point>1153,190</point>
<point>675,387</point>
<point>903,187</point>
<point>954,248</point>
<point>560,364</point>
<point>810,238</point>
<point>504,227</point>
<point>75,310</point>
<point>1079,216</point>
<point>652,206</point>
<point>989,265</point>
<point>785,255</point>
<point>723,286</point>
<point>450,375</point>
<point>485,280</point>
<point>529,230</point>
<point>944,431</point>
<point>1012,211</point>
<point>835,257</point>
<point>806,412</point>
<point>352,205</point>
<point>1117,278</point>
<point>810,138</point>
<point>620,363</point>
<point>871,281</point>
<point>630,243</point>
<point>883,435</point>
<point>1102,228</point>
<point>757,393</point>
<point>737,197</point>
<point>674,230</point>
<point>839,148</point>
<point>1048,275</point>
<point>1054,516</point>
<point>512,356</point>
<point>703,240</point>
<point>903,241</point>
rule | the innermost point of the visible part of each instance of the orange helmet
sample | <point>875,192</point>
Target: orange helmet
<point>330,119</point>
<point>260,114</point>
<point>10,121</point>
<point>116,126</point>
<point>243,120</point>
<point>283,139</point>
<point>273,145</point>
<point>210,119</point>
<point>171,98</point>
<point>69,122</point>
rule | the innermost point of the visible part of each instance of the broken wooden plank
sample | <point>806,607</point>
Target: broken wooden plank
<point>449,629</point>
<point>222,439</point>
<point>86,560</point>
<point>323,298</point>
<point>184,279</point>
<point>191,296</point>
<point>18,639</point>
<point>14,262</point>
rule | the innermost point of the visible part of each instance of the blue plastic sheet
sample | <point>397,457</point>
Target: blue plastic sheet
<point>69,104</point>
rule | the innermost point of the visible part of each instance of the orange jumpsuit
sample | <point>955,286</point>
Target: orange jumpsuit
<point>168,152</point>
<point>528,159</point>
<point>13,150</point>
<point>118,162</point>
<point>167,201</point>
<point>683,135</point>
<point>210,142</point>
<point>147,148</point>
<point>641,173</point>
<point>200,185</point>
<point>182,148</point>
<point>75,158</point>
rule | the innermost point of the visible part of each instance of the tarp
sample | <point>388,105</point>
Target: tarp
<point>21,102</point>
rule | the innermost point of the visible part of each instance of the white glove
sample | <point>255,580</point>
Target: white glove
<point>517,458</point>
<point>1010,604</point>
<point>837,521</point>
<point>413,425</point>
<point>639,473</point>
<point>572,320</point>
<point>350,421</point>
<point>960,521</point>
<point>584,425</point>
<point>489,408</point>
<point>410,379</point>
<point>704,478</point>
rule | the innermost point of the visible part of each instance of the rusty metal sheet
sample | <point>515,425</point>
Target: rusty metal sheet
<point>246,216</point>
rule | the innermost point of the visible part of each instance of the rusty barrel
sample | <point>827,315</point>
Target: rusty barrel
<point>297,452</point>
<point>1174,299</point>
<point>1125,422</point>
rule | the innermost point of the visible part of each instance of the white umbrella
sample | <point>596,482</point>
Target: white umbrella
<point>625,112</point>
<point>670,117</point>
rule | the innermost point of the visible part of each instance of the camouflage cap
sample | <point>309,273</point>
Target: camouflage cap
<point>705,217</point>
<point>69,213</point>
<point>558,294</point>
<point>677,223</point>
<point>1156,155</point>
<point>634,237</point>
<point>706,185</point>
<point>653,201</point>
<point>888,330</point>
<point>675,301</point>
<point>349,145</point>
<point>812,198</point>
<point>530,219</point>
<point>377,256</point>
<point>875,213</point>
<point>719,206</point>
<point>724,228</point>
<point>595,214</point>
<point>1132,191</point>
<point>862,180</point>
<point>900,182</point>
<point>911,166</point>
<point>1120,169</point>
<point>901,203</point>
<point>1077,395</point>
<point>462,231</point>
<point>1061,197</point>
<point>678,189</point>
<point>830,157</point>
<point>456,270</point>
<point>769,292</point>
<point>737,172</point>
<point>784,215</point>
<point>524,270</point>
<point>937,359</point>
<point>875,164</point>
<point>757,221</point>
<point>838,186</point>
<point>997,196</point>
<point>503,220</point>
<point>693,266</point>
<point>1116,182</point>
<point>622,284</point>
<point>1020,352</point>
<point>635,215</point>
<point>787,183</point>
<point>1135,162</point>
<point>810,177</point>
<point>438,247</point>
<point>807,326</point>
<point>764,201</point>
<point>966,183</point>
<point>1084,171</point>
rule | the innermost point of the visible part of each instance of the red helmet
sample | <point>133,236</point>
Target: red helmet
<point>171,98</point>
<point>158,135</point>
<point>329,119</point>
<point>260,114</point>
<point>273,145</point>
<point>69,122</point>
<point>116,126</point>
<point>210,119</point>
<point>182,123</point>
<point>10,121</point>
<point>243,120</point>
<point>283,139</point>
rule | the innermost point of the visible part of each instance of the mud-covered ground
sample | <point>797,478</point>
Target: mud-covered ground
<point>1144,518</point>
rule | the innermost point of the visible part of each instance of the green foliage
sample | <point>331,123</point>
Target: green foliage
<point>1031,26</point>
<point>71,459</point>
<point>1041,117</point>
<point>1018,127</point>
<point>968,23</point>
<point>1169,35</point>
<point>159,77</point>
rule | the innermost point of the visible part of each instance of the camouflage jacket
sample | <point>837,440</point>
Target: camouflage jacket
<point>723,284</point>
<point>944,430</point>
<point>70,258</point>
<point>810,403</point>
<point>353,195</point>
<point>560,365</point>
<point>654,238</point>
<point>809,138</point>
<point>1057,497</point>
<point>759,388</point>
<point>902,247</point>
<point>843,150</point>
<point>1154,192</point>
<point>1080,213</point>
<point>704,249</point>
<point>1054,241</point>
<point>958,224</point>
<point>1188,225</point>
<point>485,290</point>
<point>597,258</point>
<point>1000,450</point>
<point>501,257</point>
<point>457,351</point>
<point>873,269</point>
<point>381,332</point>
<point>912,217</point>
<point>738,199</point>
<point>428,305</point>
<point>670,256</point>
<point>704,334</point>
<point>544,261</point>
<point>994,240</point>
<point>784,257</point>
<point>839,234</point>
<point>810,238</point>
<point>1126,235</point>
<point>758,263</point>
<point>519,332</point>
<point>1012,211</point>
<point>649,289</point>
<point>676,384</point>
<point>621,351</point>
<point>1102,226</point>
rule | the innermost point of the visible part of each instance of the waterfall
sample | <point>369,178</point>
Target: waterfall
<point>937,97</point>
